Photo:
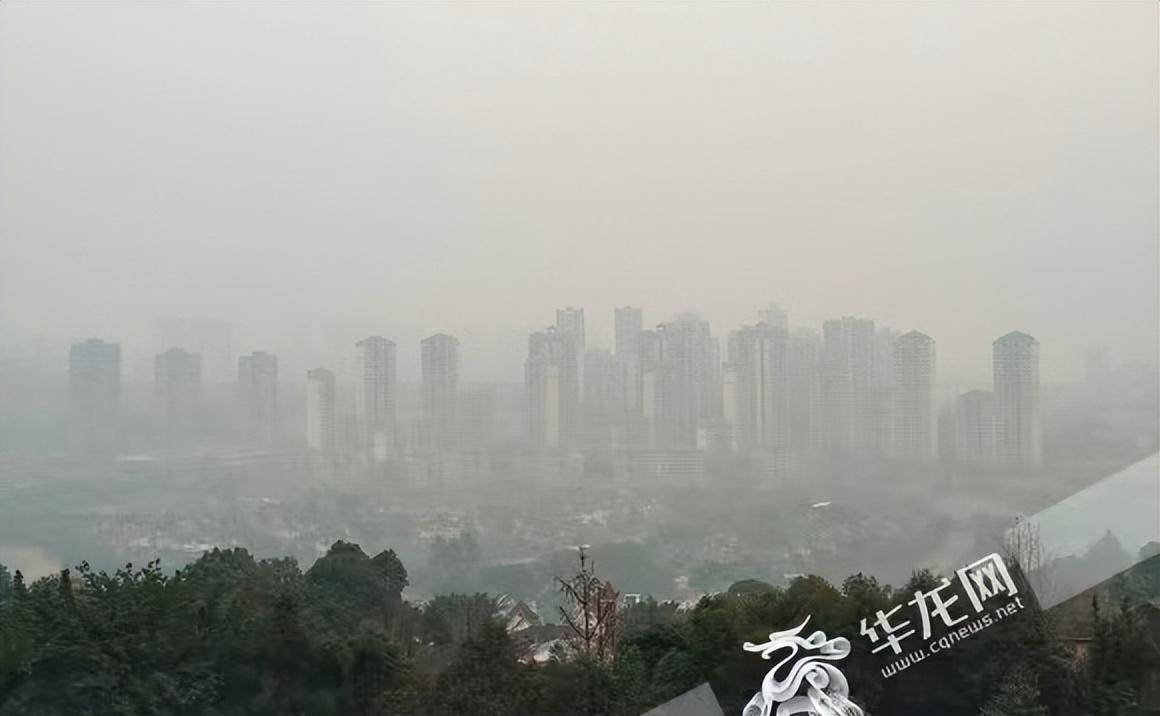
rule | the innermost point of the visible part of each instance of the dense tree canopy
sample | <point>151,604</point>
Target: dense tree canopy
<point>231,634</point>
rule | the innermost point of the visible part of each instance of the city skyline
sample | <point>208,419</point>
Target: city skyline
<point>496,353</point>
<point>1094,356</point>
<point>497,349</point>
<point>854,388</point>
<point>721,334</point>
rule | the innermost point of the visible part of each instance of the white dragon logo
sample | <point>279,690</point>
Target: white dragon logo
<point>827,692</point>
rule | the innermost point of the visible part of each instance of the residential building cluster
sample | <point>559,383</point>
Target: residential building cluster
<point>661,399</point>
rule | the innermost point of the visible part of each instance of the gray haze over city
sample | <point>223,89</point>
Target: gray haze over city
<point>723,290</point>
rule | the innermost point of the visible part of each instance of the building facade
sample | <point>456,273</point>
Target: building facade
<point>440,369</point>
<point>759,384</point>
<point>543,371</point>
<point>321,418</point>
<point>376,394</point>
<point>915,432</point>
<point>848,378</point>
<point>258,397</point>
<point>1016,380</point>
<point>177,380</point>
<point>976,431</point>
<point>94,396</point>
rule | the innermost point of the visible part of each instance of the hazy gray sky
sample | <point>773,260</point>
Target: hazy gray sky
<point>963,169</point>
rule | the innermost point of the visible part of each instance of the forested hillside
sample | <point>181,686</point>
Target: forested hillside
<point>234,635</point>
